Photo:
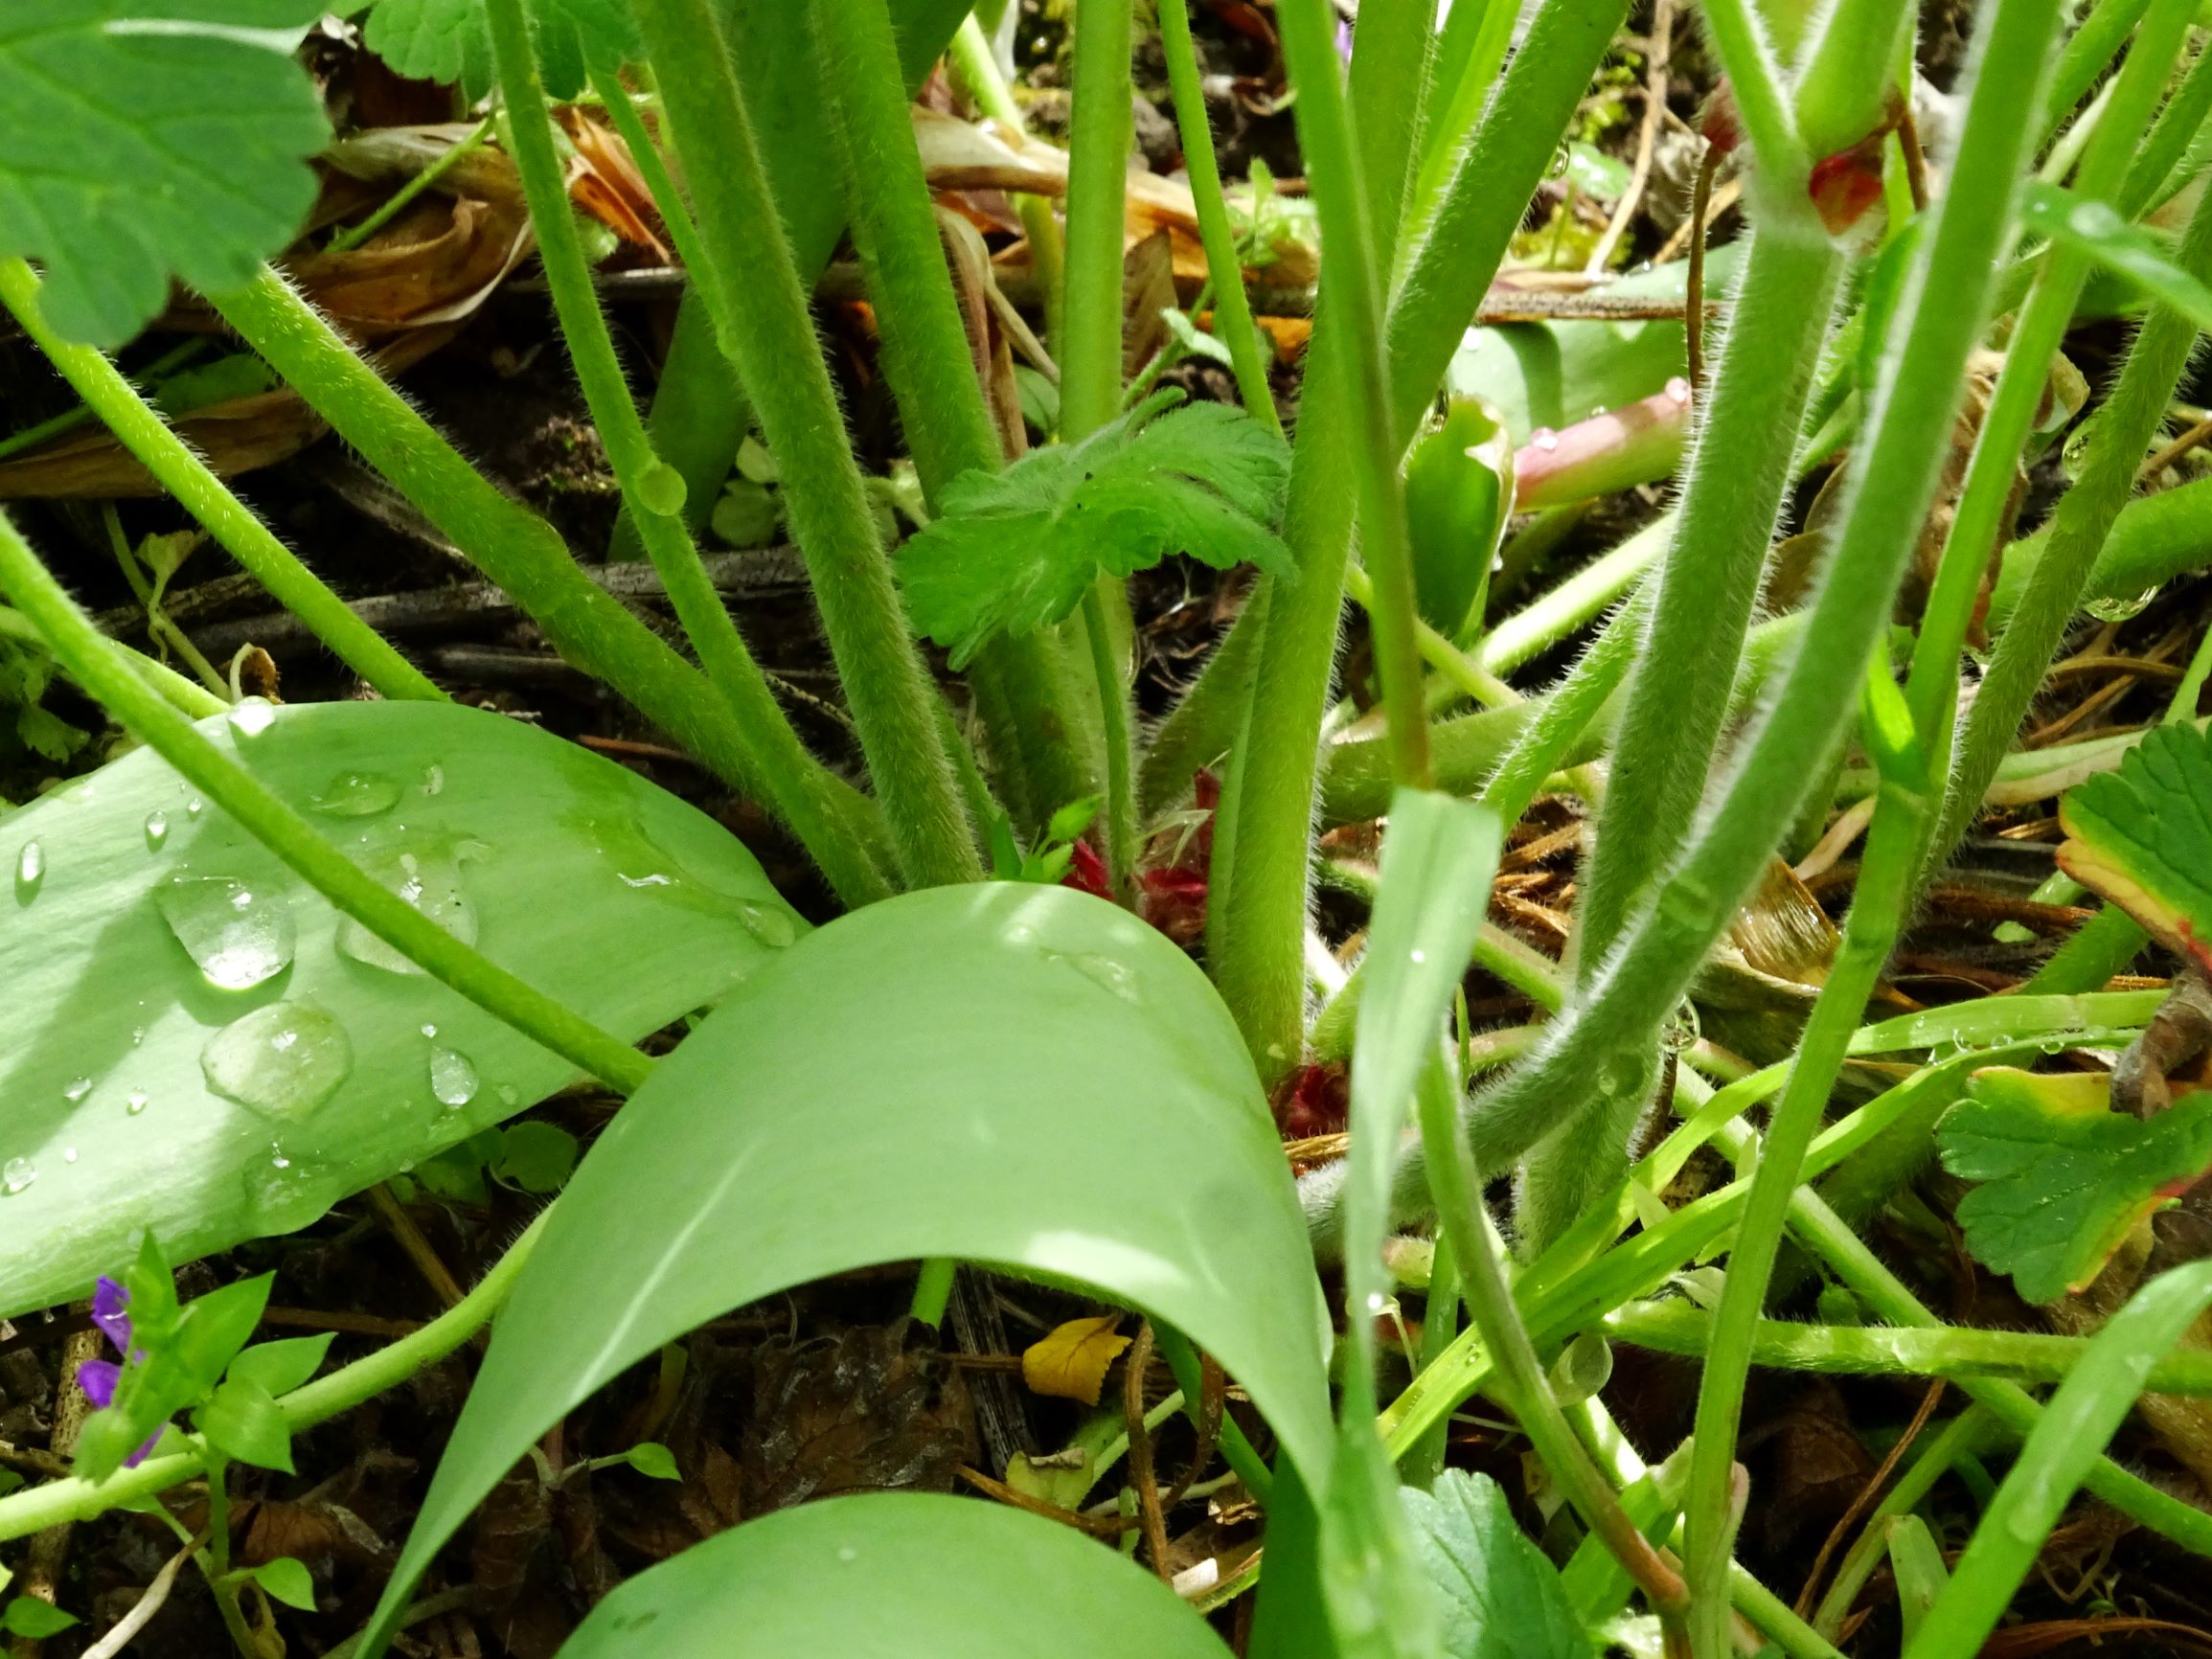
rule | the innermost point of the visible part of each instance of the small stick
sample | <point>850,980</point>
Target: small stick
<point>1647,139</point>
<point>2175,450</point>
<point>1134,1364</point>
<point>1694,312</point>
<point>144,1608</point>
<point>410,1238</point>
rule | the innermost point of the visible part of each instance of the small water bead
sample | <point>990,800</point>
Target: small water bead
<point>2096,220</point>
<point>429,1030</point>
<point>239,935</point>
<point>193,807</point>
<point>134,1102</point>
<point>137,1035</point>
<point>29,870</point>
<point>1420,955</point>
<point>76,1089</point>
<point>432,883</point>
<point>356,795</point>
<point>285,1058</point>
<point>1679,389</point>
<point>1544,437</point>
<point>69,1155</point>
<point>156,829</point>
<point>770,924</point>
<point>1103,972</point>
<point>509,1094</point>
<point>16,1174</point>
<point>452,1076</point>
<point>252,717</point>
<point>433,779</point>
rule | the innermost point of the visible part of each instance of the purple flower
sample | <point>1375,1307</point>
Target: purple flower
<point>1344,40</point>
<point>110,1303</point>
<point>97,1378</point>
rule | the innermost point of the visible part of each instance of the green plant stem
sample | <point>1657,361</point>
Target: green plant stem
<point>1677,693</point>
<point>927,358</point>
<point>932,1290</point>
<point>2124,430</point>
<point>82,414</point>
<point>1388,98</point>
<point>1490,1305</point>
<point>1640,983</point>
<point>977,70</point>
<point>675,216</point>
<point>58,1502</point>
<point>1469,49</point>
<point>1459,670</point>
<point>1236,1451</point>
<point>2086,56</point>
<point>1089,352</point>
<point>83,650</point>
<point>1847,73</point>
<point>1930,1465</point>
<point>1571,711</point>
<point>195,700</point>
<point>141,429</point>
<point>1233,322</point>
<point>1547,622</point>
<point>397,202</point>
<point>1113,703</point>
<point>2151,172</point>
<point>1738,38</point>
<point>1201,728</point>
<point>1256,925</point>
<point>1343,201</point>
<point>759,752</point>
<point>752,290</point>
<point>217,1562</point>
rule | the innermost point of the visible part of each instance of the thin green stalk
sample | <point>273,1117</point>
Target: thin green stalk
<point>1930,1465</point>
<point>1569,710</point>
<point>82,414</point>
<point>1089,352</point>
<point>1201,728</point>
<point>1739,37</point>
<point>1457,668</point>
<point>1343,202</point>
<point>1491,1306</point>
<point>2087,55</point>
<point>142,430</point>
<point>1021,688</point>
<point>195,700</point>
<point>217,1563</point>
<point>1469,49</point>
<point>57,1503</point>
<point>1233,322</point>
<point>752,290</point>
<point>675,216</point>
<point>1561,610</point>
<point>1256,926</point>
<point>976,68</point>
<point>1121,789</point>
<point>2124,430</point>
<point>1848,74</point>
<point>1953,1350</point>
<point>83,650</point>
<point>1389,97</point>
<point>397,203</point>
<point>1677,693</point>
<point>2179,123</point>
<point>1640,983</point>
<point>759,752</point>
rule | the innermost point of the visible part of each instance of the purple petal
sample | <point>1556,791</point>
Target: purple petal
<point>98,1379</point>
<point>138,1455</point>
<point>1344,40</point>
<point>109,1299</point>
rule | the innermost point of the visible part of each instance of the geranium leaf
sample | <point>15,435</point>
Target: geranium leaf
<point>1500,1595</point>
<point>146,139</point>
<point>1013,550</point>
<point>2142,835</point>
<point>450,40</point>
<point>2064,1176</point>
<point>140,1001</point>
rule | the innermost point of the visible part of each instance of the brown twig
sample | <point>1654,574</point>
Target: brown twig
<point>1154,1518</point>
<point>2175,450</point>
<point>1693,313</point>
<point>148,1604</point>
<point>1915,158</point>
<point>1867,1494</point>
<point>411,1239</point>
<point>1647,137</point>
<point>1097,1526</point>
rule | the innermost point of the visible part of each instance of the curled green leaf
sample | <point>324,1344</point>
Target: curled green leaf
<point>2142,836</point>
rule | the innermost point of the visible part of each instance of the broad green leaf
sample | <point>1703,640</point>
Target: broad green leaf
<point>288,1580</point>
<point>142,140</point>
<point>2064,1176</point>
<point>157,956</point>
<point>1001,1073</point>
<point>535,1157</point>
<point>2142,835</point>
<point>243,1421</point>
<point>1458,497</point>
<point>894,1575</point>
<point>1015,551</point>
<point>450,40</point>
<point>2099,230</point>
<point>282,1366</point>
<point>29,1616</point>
<point>1501,1595</point>
<point>651,1458</point>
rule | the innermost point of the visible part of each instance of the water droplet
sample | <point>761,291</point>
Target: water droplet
<point>76,1089</point>
<point>452,1076</point>
<point>1679,389</point>
<point>135,1102</point>
<point>433,779</point>
<point>251,718</point>
<point>356,795</point>
<point>1103,972</point>
<point>1544,437</point>
<point>2096,220</point>
<point>239,935</point>
<point>288,1191</point>
<point>2118,610</point>
<point>770,923</point>
<point>30,870</point>
<point>432,883</point>
<point>429,1030</point>
<point>16,1174</point>
<point>156,829</point>
<point>137,1035</point>
<point>509,1094</point>
<point>1420,955</point>
<point>193,807</point>
<point>661,489</point>
<point>285,1058</point>
<point>847,1553</point>
<point>69,1155</point>
<point>653,879</point>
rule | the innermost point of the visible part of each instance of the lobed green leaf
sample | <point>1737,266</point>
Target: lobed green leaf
<point>2141,836</point>
<point>450,40</point>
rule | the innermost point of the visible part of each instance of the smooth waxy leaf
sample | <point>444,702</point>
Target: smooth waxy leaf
<point>2064,1176</point>
<point>193,1042</point>
<point>448,40</point>
<point>288,1580</point>
<point>891,1576</point>
<point>2099,230</point>
<point>29,1616</point>
<point>1013,550</point>
<point>1458,497</point>
<point>1501,1596</point>
<point>146,139</point>
<point>282,1366</point>
<point>1000,1073</point>
<point>2142,836</point>
<point>241,1420</point>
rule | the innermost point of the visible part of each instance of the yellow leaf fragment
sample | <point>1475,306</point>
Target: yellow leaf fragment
<point>1070,1361</point>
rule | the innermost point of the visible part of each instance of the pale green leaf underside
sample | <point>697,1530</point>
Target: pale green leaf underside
<point>602,889</point>
<point>2063,1176</point>
<point>1500,1595</point>
<point>1013,550</point>
<point>2142,835</point>
<point>448,40</point>
<point>1001,1073</point>
<point>135,148</point>
<point>894,1575</point>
